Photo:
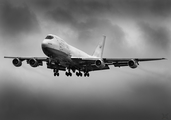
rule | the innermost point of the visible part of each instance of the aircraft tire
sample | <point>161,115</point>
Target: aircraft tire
<point>66,74</point>
<point>77,74</point>
<point>57,74</point>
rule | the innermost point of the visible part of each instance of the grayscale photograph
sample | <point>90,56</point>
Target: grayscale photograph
<point>85,59</point>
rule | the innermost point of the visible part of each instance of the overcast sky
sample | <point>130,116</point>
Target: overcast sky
<point>134,28</point>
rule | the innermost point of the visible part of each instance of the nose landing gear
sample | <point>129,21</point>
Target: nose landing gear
<point>56,72</point>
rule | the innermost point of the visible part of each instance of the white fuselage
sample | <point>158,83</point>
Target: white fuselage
<point>53,46</point>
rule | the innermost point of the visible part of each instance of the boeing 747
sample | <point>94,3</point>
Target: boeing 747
<point>63,57</point>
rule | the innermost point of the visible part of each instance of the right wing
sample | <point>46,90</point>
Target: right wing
<point>28,58</point>
<point>36,61</point>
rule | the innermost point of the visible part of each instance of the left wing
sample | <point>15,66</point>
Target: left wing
<point>100,64</point>
<point>125,61</point>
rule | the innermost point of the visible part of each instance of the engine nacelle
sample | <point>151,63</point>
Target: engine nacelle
<point>99,64</point>
<point>17,62</point>
<point>33,62</point>
<point>133,64</point>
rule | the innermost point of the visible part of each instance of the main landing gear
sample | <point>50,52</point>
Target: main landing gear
<point>68,73</point>
<point>86,74</point>
<point>79,74</point>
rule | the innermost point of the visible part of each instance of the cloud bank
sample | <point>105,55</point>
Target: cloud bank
<point>17,19</point>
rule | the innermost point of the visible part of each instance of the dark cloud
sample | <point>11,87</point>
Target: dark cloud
<point>161,7</point>
<point>17,19</point>
<point>42,4</point>
<point>62,16</point>
<point>92,28</point>
<point>154,91</point>
<point>155,35</point>
<point>88,28</point>
<point>86,7</point>
<point>132,8</point>
<point>91,19</point>
<point>148,100</point>
<point>76,12</point>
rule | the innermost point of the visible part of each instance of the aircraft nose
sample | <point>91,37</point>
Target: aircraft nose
<point>44,43</point>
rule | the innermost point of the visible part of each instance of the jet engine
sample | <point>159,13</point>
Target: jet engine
<point>17,62</point>
<point>33,62</point>
<point>133,64</point>
<point>99,63</point>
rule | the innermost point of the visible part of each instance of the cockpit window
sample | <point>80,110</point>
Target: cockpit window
<point>49,37</point>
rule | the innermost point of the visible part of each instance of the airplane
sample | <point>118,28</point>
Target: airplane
<point>63,57</point>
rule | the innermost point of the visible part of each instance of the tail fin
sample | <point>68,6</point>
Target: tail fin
<point>99,50</point>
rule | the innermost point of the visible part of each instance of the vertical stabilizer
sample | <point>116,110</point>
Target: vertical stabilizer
<point>99,50</point>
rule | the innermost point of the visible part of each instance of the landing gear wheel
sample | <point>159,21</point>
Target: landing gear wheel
<point>68,74</point>
<point>55,74</point>
<point>77,73</point>
<point>86,74</point>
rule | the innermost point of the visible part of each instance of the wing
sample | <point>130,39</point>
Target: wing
<point>36,61</point>
<point>82,64</point>
<point>33,61</point>
<point>28,58</point>
<point>93,64</point>
<point>119,62</point>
